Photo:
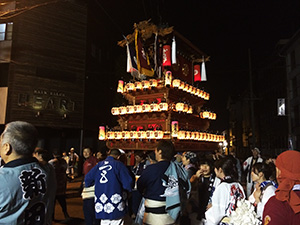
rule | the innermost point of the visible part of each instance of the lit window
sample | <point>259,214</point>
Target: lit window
<point>6,31</point>
<point>2,31</point>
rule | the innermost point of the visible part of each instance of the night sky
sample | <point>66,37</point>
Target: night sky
<point>223,29</point>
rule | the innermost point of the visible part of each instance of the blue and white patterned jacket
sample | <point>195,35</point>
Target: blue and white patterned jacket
<point>111,179</point>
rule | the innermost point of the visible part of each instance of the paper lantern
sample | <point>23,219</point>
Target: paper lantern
<point>181,134</point>
<point>206,96</point>
<point>182,85</point>
<point>176,83</point>
<point>163,106</point>
<point>127,134</point>
<point>200,136</point>
<point>127,86</point>
<point>138,85</point>
<point>138,108</point>
<point>179,107</point>
<point>174,128</point>
<point>114,111</point>
<point>190,89</point>
<point>130,87</point>
<point>168,78</point>
<point>130,109</point>
<point>123,110</point>
<point>131,134</point>
<point>154,107</point>
<point>194,135</point>
<point>150,134</point>
<point>109,135</point>
<point>214,116</point>
<point>143,134</point>
<point>166,55</point>
<point>197,92</point>
<point>187,135</point>
<point>120,86</point>
<point>101,136</point>
<point>190,110</point>
<point>158,134</point>
<point>153,83</point>
<point>202,94</point>
<point>186,87</point>
<point>146,108</point>
<point>135,134</point>
<point>119,135</point>
<point>146,84</point>
<point>115,135</point>
<point>209,137</point>
<point>193,90</point>
<point>185,108</point>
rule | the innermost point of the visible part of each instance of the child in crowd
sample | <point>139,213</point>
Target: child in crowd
<point>207,183</point>
<point>264,188</point>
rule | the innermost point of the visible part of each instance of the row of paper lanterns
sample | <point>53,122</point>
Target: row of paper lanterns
<point>131,109</point>
<point>158,107</point>
<point>153,83</point>
<point>154,107</point>
<point>198,136</point>
<point>150,134</point>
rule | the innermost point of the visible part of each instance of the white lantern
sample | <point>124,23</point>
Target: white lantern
<point>101,136</point>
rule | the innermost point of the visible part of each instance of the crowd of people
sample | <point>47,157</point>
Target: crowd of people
<point>160,187</point>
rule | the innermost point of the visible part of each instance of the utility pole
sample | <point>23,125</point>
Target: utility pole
<point>253,139</point>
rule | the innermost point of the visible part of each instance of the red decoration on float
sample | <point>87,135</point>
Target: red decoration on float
<point>197,74</point>
<point>166,55</point>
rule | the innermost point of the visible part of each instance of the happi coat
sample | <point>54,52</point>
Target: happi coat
<point>224,201</point>
<point>111,179</point>
<point>27,192</point>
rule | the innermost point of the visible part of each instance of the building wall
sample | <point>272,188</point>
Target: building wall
<point>47,67</point>
<point>292,53</point>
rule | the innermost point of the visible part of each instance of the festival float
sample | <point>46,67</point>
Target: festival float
<point>163,96</point>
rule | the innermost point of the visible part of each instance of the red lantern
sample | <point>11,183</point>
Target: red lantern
<point>166,55</point>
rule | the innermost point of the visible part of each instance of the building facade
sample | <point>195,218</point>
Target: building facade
<point>42,65</point>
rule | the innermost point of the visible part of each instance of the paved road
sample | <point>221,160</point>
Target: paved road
<point>74,206</point>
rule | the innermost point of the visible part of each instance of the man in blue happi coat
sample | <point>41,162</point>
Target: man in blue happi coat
<point>111,179</point>
<point>27,188</point>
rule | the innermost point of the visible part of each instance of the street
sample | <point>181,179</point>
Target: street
<point>74,206</point>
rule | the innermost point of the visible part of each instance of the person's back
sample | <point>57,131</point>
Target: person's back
<point>111,179</point>
<point>27,190</point>
<point>60,166</point>
<point>155,192</point>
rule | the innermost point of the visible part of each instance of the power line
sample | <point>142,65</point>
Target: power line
<point>19,11</point>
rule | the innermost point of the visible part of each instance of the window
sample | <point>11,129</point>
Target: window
<point>2,31</point>
<point>6,31</point>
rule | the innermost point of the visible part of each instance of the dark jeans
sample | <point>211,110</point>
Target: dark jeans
<point>89,212</point>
